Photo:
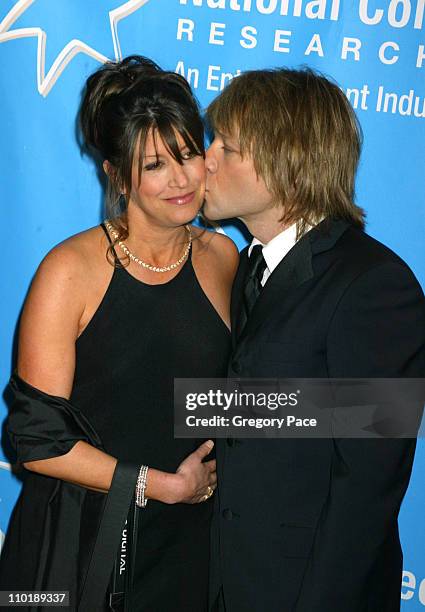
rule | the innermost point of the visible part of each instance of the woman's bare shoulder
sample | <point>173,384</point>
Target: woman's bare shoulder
<point>217,241</point>
<point>74,256</point>
<point>219,247</point>
<point>52,313</point>
<point>79,246</point>
<point>66,273</point>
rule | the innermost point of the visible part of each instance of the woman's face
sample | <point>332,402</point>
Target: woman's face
<point>168,194</point>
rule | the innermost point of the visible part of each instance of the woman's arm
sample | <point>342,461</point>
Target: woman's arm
<point>50,325</point>
<point>89,467</point>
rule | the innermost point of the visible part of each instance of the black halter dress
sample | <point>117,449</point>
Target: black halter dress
<point>141,338</point>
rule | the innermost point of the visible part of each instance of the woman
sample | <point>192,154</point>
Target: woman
<point>113,315</point>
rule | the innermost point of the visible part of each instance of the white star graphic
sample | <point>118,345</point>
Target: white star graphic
<point>45,81</point>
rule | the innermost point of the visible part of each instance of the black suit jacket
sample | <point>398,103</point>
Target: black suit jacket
<point>311,525</point>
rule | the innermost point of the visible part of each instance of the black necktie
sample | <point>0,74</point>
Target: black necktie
<point>252,287</point>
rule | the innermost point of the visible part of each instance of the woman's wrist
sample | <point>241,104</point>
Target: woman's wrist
<point>174,488</point>
<point>165,487</point>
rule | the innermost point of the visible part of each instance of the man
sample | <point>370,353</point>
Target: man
<point>307,525</point>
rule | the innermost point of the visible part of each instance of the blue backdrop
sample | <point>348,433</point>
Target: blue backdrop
<point>375,49</point>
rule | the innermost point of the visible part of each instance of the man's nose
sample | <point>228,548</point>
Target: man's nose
<point>210,159</point>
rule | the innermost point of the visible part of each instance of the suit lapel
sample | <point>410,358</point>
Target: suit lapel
<point>294,269</point>
<point>237,293</point>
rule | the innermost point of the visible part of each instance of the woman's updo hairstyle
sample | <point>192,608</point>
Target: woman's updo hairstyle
<point>121,103</point>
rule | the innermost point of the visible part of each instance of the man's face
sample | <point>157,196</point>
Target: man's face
<point>233,188</point>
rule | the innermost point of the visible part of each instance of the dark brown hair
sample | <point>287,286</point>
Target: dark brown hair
<point>303,137</point>
<point>121,103</point>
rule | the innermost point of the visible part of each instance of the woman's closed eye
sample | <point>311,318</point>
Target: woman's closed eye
<point>153,165</point>
<point>157,164</point>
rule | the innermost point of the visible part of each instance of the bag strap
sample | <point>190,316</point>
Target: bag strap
<point>121,587</point>
<point>108,536</point>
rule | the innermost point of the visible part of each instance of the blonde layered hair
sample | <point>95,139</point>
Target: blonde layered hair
<point>303,137</point>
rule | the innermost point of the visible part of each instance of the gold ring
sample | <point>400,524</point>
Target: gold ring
<point>208,494</point>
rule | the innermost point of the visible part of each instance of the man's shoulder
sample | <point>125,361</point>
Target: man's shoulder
<point>366,263</point>
<point>363,252</point>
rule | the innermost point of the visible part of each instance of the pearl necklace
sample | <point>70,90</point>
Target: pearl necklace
<point>142,263</point>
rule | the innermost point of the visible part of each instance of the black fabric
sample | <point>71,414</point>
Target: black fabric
<point>42,426</point>
<point>318,530</point>
<point>219,605</point>
<point>139,339</point>
<point>256,267</point>
<point>53,526</point>
<point>252,287</point>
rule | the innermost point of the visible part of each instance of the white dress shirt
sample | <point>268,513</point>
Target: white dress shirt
<point>275,250</point>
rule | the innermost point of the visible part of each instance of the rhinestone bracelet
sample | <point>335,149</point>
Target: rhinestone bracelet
<point>141,500</point>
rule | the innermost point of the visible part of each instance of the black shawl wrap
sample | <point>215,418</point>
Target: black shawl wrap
<point>61,536</point>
